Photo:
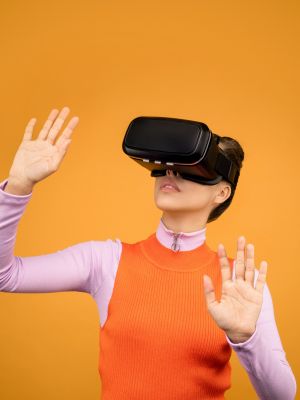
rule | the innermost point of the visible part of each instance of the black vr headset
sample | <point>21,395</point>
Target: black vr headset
<point>187,147</point>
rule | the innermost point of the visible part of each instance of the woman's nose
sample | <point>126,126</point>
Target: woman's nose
<point>171,172</point>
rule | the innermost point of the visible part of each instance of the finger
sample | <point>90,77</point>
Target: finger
<point>57,125</point>
<point>250,266</point>
<point>47,125</point>
<point>240,262</point>
<point>224,263</point>
<point>29,129</point>
<point>208,290</point>
<point>66,133</point>
<point>63,143</point>
<point>262,277</point>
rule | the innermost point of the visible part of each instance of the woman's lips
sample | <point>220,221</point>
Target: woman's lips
<point>169,188</point>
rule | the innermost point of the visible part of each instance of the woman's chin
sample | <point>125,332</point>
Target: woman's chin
<point>166,205</point>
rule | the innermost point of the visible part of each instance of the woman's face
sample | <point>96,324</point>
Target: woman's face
<point>191,197</point>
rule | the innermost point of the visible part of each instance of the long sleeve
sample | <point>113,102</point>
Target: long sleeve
<point>71,269</point>
<point>263,356</point>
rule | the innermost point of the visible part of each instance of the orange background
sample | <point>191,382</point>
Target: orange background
<point>233,65</point>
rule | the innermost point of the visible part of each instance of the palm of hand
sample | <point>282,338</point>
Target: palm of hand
<point>36,159</point>
<point>241,302</point>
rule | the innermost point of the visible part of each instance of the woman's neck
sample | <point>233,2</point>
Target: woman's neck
<point>183,223</point>
<point>180,241</point>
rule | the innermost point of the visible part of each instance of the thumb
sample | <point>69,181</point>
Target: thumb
<point>209,290</point>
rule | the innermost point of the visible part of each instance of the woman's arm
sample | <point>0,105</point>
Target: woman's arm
<point>263,356</point>
<point>70,269</point>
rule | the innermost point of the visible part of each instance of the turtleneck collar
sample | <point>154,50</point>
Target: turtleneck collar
<point>182,241</point>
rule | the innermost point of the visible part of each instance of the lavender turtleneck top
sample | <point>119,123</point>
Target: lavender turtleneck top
<point>91,267</point>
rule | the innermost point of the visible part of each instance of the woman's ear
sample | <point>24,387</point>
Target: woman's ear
<point>223,192</point>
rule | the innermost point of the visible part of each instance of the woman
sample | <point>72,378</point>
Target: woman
<point>164,334</point>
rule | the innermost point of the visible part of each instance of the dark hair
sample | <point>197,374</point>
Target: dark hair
<point>234,151</point>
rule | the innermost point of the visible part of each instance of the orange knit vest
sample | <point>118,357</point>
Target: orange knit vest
<point>159,342</point>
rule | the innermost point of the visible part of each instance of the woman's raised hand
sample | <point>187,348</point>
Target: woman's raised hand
<point>241,302</point>
<point>37,158</point>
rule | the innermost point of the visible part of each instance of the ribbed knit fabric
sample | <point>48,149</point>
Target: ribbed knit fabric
<point>159,342</point>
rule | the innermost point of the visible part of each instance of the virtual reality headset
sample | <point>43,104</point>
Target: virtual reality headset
<point>187,147</point>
